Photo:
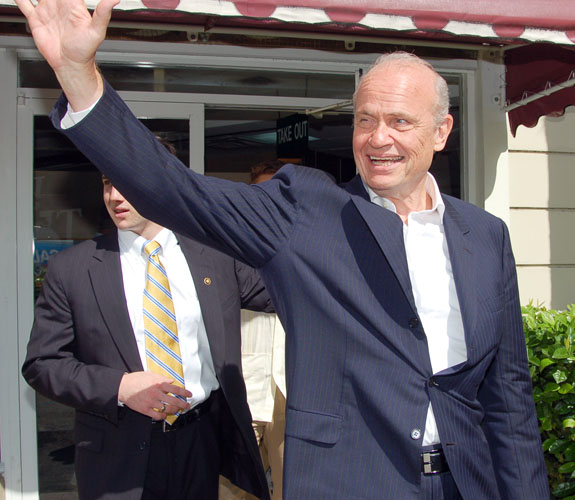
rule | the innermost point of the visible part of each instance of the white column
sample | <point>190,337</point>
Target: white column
<point>492,144</point>
<point>10,345</point>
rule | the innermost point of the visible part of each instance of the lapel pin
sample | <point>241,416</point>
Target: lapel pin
<point>207,281</point>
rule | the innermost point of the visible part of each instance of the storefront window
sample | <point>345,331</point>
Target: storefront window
<point>204,80</point>
<point>68,205</point>
<point>68,209</point>
<point>238,139</point>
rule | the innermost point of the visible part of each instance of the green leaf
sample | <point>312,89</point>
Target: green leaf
<point>547,443</point>
<point>564,489</point>
<point>551,387</point>
<point>560,353</point>
<point>568,423</point>
<point>569,453</point>
<point>567,468</point>
<point>565,388</point>
<point>548,318</point>
<point>534,360</point>
<point>559,376</point>
<point>546,423</point>
<point>545,362</point>
<point>558,446</point>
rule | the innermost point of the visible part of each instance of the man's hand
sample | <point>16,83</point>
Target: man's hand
<point>68,38</point>
<point>148,393</point>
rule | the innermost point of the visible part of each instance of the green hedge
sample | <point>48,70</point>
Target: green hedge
<point>550,337</point>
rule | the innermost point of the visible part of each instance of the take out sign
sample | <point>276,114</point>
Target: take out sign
<point>292,135</point>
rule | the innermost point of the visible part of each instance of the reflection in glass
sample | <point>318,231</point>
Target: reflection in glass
<point>203,80</point>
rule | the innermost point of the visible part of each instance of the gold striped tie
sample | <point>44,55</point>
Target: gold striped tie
<point>161,330</point>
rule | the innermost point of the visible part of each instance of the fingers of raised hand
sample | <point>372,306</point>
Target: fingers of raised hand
<point>26,6</point>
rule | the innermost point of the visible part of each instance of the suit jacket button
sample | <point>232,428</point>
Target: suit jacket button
<point>413,323</point>
<point>433,382</point>
<point>415,434</point>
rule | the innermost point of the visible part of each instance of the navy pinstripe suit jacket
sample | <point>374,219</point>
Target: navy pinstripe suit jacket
<point>358,370</point>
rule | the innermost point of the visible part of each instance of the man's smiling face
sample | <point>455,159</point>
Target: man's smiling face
<point>395,130</point>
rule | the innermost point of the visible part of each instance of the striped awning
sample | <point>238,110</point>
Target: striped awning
<point>501,21</point>
<point>505,21</point>
<point>540,81</point>
<point>539,35</point>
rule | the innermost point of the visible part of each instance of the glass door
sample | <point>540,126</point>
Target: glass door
<point>235,140</point>
<point>60,204</point>
<point>60,196</point>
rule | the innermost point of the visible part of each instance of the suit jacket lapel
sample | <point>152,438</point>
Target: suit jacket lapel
<point>106,277</point>
<point>202,270</point>
<point>387,229</point>
<point>457,232</point>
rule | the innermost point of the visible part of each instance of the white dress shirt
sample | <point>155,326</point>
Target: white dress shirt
<point>72,117</point>
<point>199,373</point>
<point>433,288</point>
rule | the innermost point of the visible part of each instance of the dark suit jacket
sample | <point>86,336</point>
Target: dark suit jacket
<point>82,343</point>
<point>359,377</point>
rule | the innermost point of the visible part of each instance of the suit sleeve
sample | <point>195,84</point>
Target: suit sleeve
<point>51,366</point>
<point>247,222</point>
<point>510,422</point>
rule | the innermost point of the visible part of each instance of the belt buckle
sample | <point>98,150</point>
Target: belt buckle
<point>427,468</point>
<point>166,427</point>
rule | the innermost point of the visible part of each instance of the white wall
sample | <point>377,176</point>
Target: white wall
<point>542,209</point>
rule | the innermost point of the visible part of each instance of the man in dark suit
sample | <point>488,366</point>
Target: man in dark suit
<point>405,357</point>
<point>88,350</point>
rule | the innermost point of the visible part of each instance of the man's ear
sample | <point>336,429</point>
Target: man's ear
<point>443,132</point>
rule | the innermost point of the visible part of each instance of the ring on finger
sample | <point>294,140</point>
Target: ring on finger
<point>163,407</point>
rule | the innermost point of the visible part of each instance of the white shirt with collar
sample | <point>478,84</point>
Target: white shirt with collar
<point>433,287</point>
<point>199,373</point>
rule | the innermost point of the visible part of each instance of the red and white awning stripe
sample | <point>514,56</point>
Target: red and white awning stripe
<point>536,72</point>
<point>504,21</point>
<point>525,20</point>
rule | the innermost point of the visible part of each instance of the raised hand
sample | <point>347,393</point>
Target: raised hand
<point>148,393</point>
<point>68,38</point>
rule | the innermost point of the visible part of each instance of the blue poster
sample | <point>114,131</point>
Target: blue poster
<point>43,250</point>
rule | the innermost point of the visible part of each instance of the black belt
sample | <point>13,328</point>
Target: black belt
<point>433,462</point>
<point>184,419</point>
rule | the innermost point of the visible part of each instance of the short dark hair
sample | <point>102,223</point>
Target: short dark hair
<point>265,167</point>
<point>167,144</point>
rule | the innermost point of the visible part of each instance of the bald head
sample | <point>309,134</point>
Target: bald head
<point>399,60</point>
